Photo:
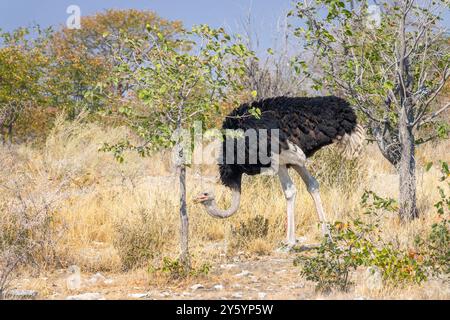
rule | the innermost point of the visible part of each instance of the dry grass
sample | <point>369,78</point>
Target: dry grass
<point>111,213</point>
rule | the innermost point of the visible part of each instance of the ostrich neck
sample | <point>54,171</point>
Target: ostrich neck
<point>214,211</point>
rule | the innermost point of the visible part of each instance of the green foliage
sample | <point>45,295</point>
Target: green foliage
<point>435,247</point>
<point>175,81</point>
<point>83,59</point>
<point>357,243</point>
<point>23,65</point>
<point>174,269</point>
<point>359,58</point>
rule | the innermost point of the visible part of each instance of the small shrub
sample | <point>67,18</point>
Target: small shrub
<point>434,249</point>
<point>28,232</point>
<point>333,170</point>
<point>175,270</point>
<point>246,232</point>
<point>357,243</point>
<point>140,238</point>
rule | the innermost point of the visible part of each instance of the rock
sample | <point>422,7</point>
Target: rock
<point>300,240</point>
<point>262,295</point>
<point>73,281</point>
<point>244,273</point>
<point>196,287</point>
<point>237,295</point>
<point>373,278</point>
<point>138,295</point>
<point>97,278</point>
<point>228,266</point>
<point>254,279</point>
<point>87,296</point>
<point>21,294</point>
<point>218,287</point>
<point>108,281</point>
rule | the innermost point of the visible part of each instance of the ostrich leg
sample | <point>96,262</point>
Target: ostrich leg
<point>313,188</point>
<point>289,192</point>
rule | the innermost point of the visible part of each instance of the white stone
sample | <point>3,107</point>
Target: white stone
<point>73,281</point>
<point>138,295</point>
<point>87,296</point>
<point>196,287</point>
<point>97,278</point>
<point>262,295</point>
<point>228,266</point>
<point>218,287</point>
<point>373,278</point>
<point>237,295</point>
<point>244,273</point>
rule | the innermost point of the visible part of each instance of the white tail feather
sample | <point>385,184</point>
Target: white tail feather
<point>350,145</point>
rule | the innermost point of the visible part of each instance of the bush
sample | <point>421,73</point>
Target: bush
<point>28,230</point>
<point>333,170</point>
<point>244,234</point>
<point>175,270</point>
<point>139,238</point>
<point>435,248</point>
<point>357,243</point>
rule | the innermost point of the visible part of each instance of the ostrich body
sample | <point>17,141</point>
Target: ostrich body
<point>305,126</point>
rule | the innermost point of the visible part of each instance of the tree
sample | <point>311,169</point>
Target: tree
<point>392,62</point>
<point>22,74</point>
<point>274,75</point>
<point>177,81</point>
<point>84,58</point>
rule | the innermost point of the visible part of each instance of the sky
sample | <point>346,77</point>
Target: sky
<point>266,14</point>
<point>227,13</point>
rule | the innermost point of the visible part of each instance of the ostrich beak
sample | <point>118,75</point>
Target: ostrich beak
<point>200,198</point>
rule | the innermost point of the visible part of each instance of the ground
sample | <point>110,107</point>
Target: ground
<point>90,211</point>
<point>258,278</point>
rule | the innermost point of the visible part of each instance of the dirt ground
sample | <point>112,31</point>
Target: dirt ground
<point>258,278</point>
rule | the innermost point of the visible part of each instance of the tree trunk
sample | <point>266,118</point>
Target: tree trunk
<point>184,229</point>
<point>10,133</point>
<point>407,169</point>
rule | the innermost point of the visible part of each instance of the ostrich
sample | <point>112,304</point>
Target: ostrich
<point>305,125</point>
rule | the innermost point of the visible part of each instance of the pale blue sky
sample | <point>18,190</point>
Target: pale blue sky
<point>228,13</point>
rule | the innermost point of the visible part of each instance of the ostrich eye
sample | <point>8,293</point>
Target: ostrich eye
<point>205,194</point>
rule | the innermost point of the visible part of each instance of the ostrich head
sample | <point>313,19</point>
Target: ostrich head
<point>207,199</point>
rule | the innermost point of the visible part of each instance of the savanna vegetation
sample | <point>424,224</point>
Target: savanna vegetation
<point>89,120</point>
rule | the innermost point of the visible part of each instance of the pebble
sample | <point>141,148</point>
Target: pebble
<point>196,287</point>
<point>262,295</point>
<point>87,296</point>
<point>244,273</point>
<point>218,287</point>
<point>138,295</point>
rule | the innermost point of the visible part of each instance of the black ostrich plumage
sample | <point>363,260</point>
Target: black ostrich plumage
<point>310,123</point>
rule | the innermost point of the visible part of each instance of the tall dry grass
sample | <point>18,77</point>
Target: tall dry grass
<point>112,216</point>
